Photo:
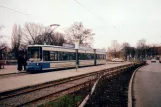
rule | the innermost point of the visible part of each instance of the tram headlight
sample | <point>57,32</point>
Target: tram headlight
<point>37,64</point>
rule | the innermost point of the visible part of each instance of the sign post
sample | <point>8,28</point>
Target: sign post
<point>95,57</point>
<point>76,48</point>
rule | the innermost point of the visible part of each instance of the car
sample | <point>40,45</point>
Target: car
<point>117,60</point>
<point>153,61</point>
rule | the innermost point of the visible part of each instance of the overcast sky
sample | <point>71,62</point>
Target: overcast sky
<point>121,20</point>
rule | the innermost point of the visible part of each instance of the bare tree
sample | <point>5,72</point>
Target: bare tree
<point>55,38</point>
<point>1,36</point>
<point>125,44</point>
<point>16,39</point>
<point>141,43</point>
<point>78,31</point>
<point>141,49</point>
<point>31,31</point>
<point>125,51</point>
<point>115,48</point>
<point>2,43</point>
<point>3,46</point>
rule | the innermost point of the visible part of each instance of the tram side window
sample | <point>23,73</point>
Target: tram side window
<point>74,56</point>
<point>65,55</point>
<point>46,55</point>
<point>53,56</point>
<point>101,56</point>
<point>71,55</point>
<point>79,56</point>
<point>84,56</point>
<point>98,56</point>
<point>88,56</point>
<point>60,56</point>
<point>92,55</point>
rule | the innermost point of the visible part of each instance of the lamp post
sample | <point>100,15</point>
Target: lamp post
<point>77,57</point>
<point>95,57</point>
<point>47,36</point>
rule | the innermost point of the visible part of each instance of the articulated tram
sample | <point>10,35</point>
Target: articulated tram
<point>47,57</point>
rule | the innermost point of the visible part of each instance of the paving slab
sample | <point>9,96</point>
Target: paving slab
<point>11,83</point>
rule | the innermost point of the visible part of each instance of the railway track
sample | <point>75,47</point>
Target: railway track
<point>42,93</point>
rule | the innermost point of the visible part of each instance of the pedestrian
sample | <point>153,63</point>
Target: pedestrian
<point>20,63</point>
<point>24,62</point>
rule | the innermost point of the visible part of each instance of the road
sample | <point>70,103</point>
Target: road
<point>147,86</point>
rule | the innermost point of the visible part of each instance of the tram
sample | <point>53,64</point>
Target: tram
<point>49,57</point>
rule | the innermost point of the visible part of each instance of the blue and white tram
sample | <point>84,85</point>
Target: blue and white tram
<point>46,57</point>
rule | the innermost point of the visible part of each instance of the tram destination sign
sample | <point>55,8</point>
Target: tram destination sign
<point>68,45</point>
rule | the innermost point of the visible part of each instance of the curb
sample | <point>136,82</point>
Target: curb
<point>130,88</point>
<point>13,73</point>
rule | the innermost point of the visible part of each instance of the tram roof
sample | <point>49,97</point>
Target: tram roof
<point>81,48</point>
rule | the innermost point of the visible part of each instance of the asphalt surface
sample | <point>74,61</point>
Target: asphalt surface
<point>147,86</point>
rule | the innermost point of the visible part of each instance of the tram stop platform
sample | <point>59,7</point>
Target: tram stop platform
<point>9,69</point>
<point>16,82</point>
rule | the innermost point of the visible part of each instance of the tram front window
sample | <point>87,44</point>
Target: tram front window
<point>35,53</point>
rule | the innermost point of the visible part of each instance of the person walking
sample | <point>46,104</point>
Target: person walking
<point>20,63</point>
<point>24,62</point>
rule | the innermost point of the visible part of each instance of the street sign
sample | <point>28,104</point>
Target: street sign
<point>77,44</point>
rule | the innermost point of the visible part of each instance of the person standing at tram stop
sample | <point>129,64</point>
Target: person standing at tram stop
<point>24,62</point>
<point>20,62</point>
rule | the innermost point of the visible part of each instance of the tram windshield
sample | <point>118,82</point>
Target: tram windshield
<point>35,53</point>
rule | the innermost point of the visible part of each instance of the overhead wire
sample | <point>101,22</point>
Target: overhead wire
<point>13,10</point>
<point>99,17</point>
<point>16,11</point>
